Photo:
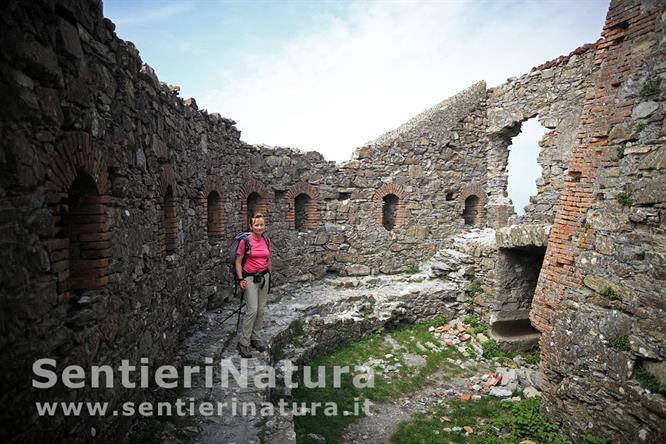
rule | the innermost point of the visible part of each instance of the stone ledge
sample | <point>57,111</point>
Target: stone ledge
<point>524,235</point>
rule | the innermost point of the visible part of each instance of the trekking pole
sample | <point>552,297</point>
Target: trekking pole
<point>240,307</point>
<point>238,310</point>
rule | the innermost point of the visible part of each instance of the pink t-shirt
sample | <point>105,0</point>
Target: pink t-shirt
<point>257,260</point>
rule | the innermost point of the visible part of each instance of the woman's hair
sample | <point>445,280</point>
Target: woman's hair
<point>255,217</point>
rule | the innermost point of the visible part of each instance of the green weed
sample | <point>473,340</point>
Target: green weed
<point>475,287</point>
<point>412,269</point>
<point>624,199</point>
<point>609,293</point>
<point>619,342</point>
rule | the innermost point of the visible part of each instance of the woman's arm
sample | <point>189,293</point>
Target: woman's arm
<point>239,272</point>
<point>239,267</point>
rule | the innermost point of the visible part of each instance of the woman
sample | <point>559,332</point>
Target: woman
<point>253,270</point>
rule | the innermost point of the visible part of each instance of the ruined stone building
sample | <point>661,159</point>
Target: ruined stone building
<point>118,200</point>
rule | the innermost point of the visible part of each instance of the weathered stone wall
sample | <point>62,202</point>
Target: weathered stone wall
<point>104,190</point>
<point>600,296</point>
<point>426,164</point>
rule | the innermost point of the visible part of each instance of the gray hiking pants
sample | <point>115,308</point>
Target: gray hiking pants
<point>255,298</point>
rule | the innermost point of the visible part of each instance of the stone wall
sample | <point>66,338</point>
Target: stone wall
<point>600,296</point>
<point>118,200</point>
<point>111,239</point>
<point>425,163</point>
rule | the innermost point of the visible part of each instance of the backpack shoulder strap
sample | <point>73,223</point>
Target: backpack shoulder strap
<point>269,242</point>
<point>245,237</point>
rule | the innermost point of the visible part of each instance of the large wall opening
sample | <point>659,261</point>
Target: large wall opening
<point>522,166</point>
<point>389,211</point>
<point>517,275</point>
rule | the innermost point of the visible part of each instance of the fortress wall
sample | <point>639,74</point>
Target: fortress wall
<point>600,296</point>
<point>107,253</point>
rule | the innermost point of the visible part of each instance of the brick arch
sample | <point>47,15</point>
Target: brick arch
<point>76,153</point>
<point>78,187</point>
<point>168,223</point>
<point>378,199</point>
<point>311,206</point>
<point>473,209</point>
<point>212,220</point>
<point>253,186</point>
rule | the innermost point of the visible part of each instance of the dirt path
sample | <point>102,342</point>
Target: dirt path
<point>386,417</point>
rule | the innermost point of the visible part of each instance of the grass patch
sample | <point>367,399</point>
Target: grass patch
<point>651,87</point>
<point>649,381</point>
<point>475,287</point>
<point>388,386</point>
<point>593,439</point>
<point>624,199</point>
<point>610,294</point>
<point>477,326</point>
<point>491,349</point>
<point>619,152</point>
<point>619,342</point>
<point>481,328</point>
<point>439,321</point>
<point>532,358</point>
<point>492,421</point>
<point>412,269</point>
<point>471,320</point>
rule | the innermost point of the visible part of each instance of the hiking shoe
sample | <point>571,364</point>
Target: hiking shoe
<point>257,345</point>
<point>244,351</point>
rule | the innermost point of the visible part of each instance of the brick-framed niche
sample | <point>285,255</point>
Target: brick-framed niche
<point>254,199</point>
<point>472,205</point>
<point>168,215</point>
<point>304,202</point>
<point>389,203</point>
<point>211,199</point>
<point>78,195</point>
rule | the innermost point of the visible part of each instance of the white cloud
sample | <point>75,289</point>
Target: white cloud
<point>155,12</point>
<point>367,72</point>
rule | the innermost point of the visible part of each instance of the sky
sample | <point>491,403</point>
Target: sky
<point>333,75</point>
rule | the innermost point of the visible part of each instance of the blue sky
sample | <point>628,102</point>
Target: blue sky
<point>332,75</point>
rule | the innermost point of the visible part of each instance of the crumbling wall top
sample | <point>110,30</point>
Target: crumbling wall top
<point>444,115</point>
